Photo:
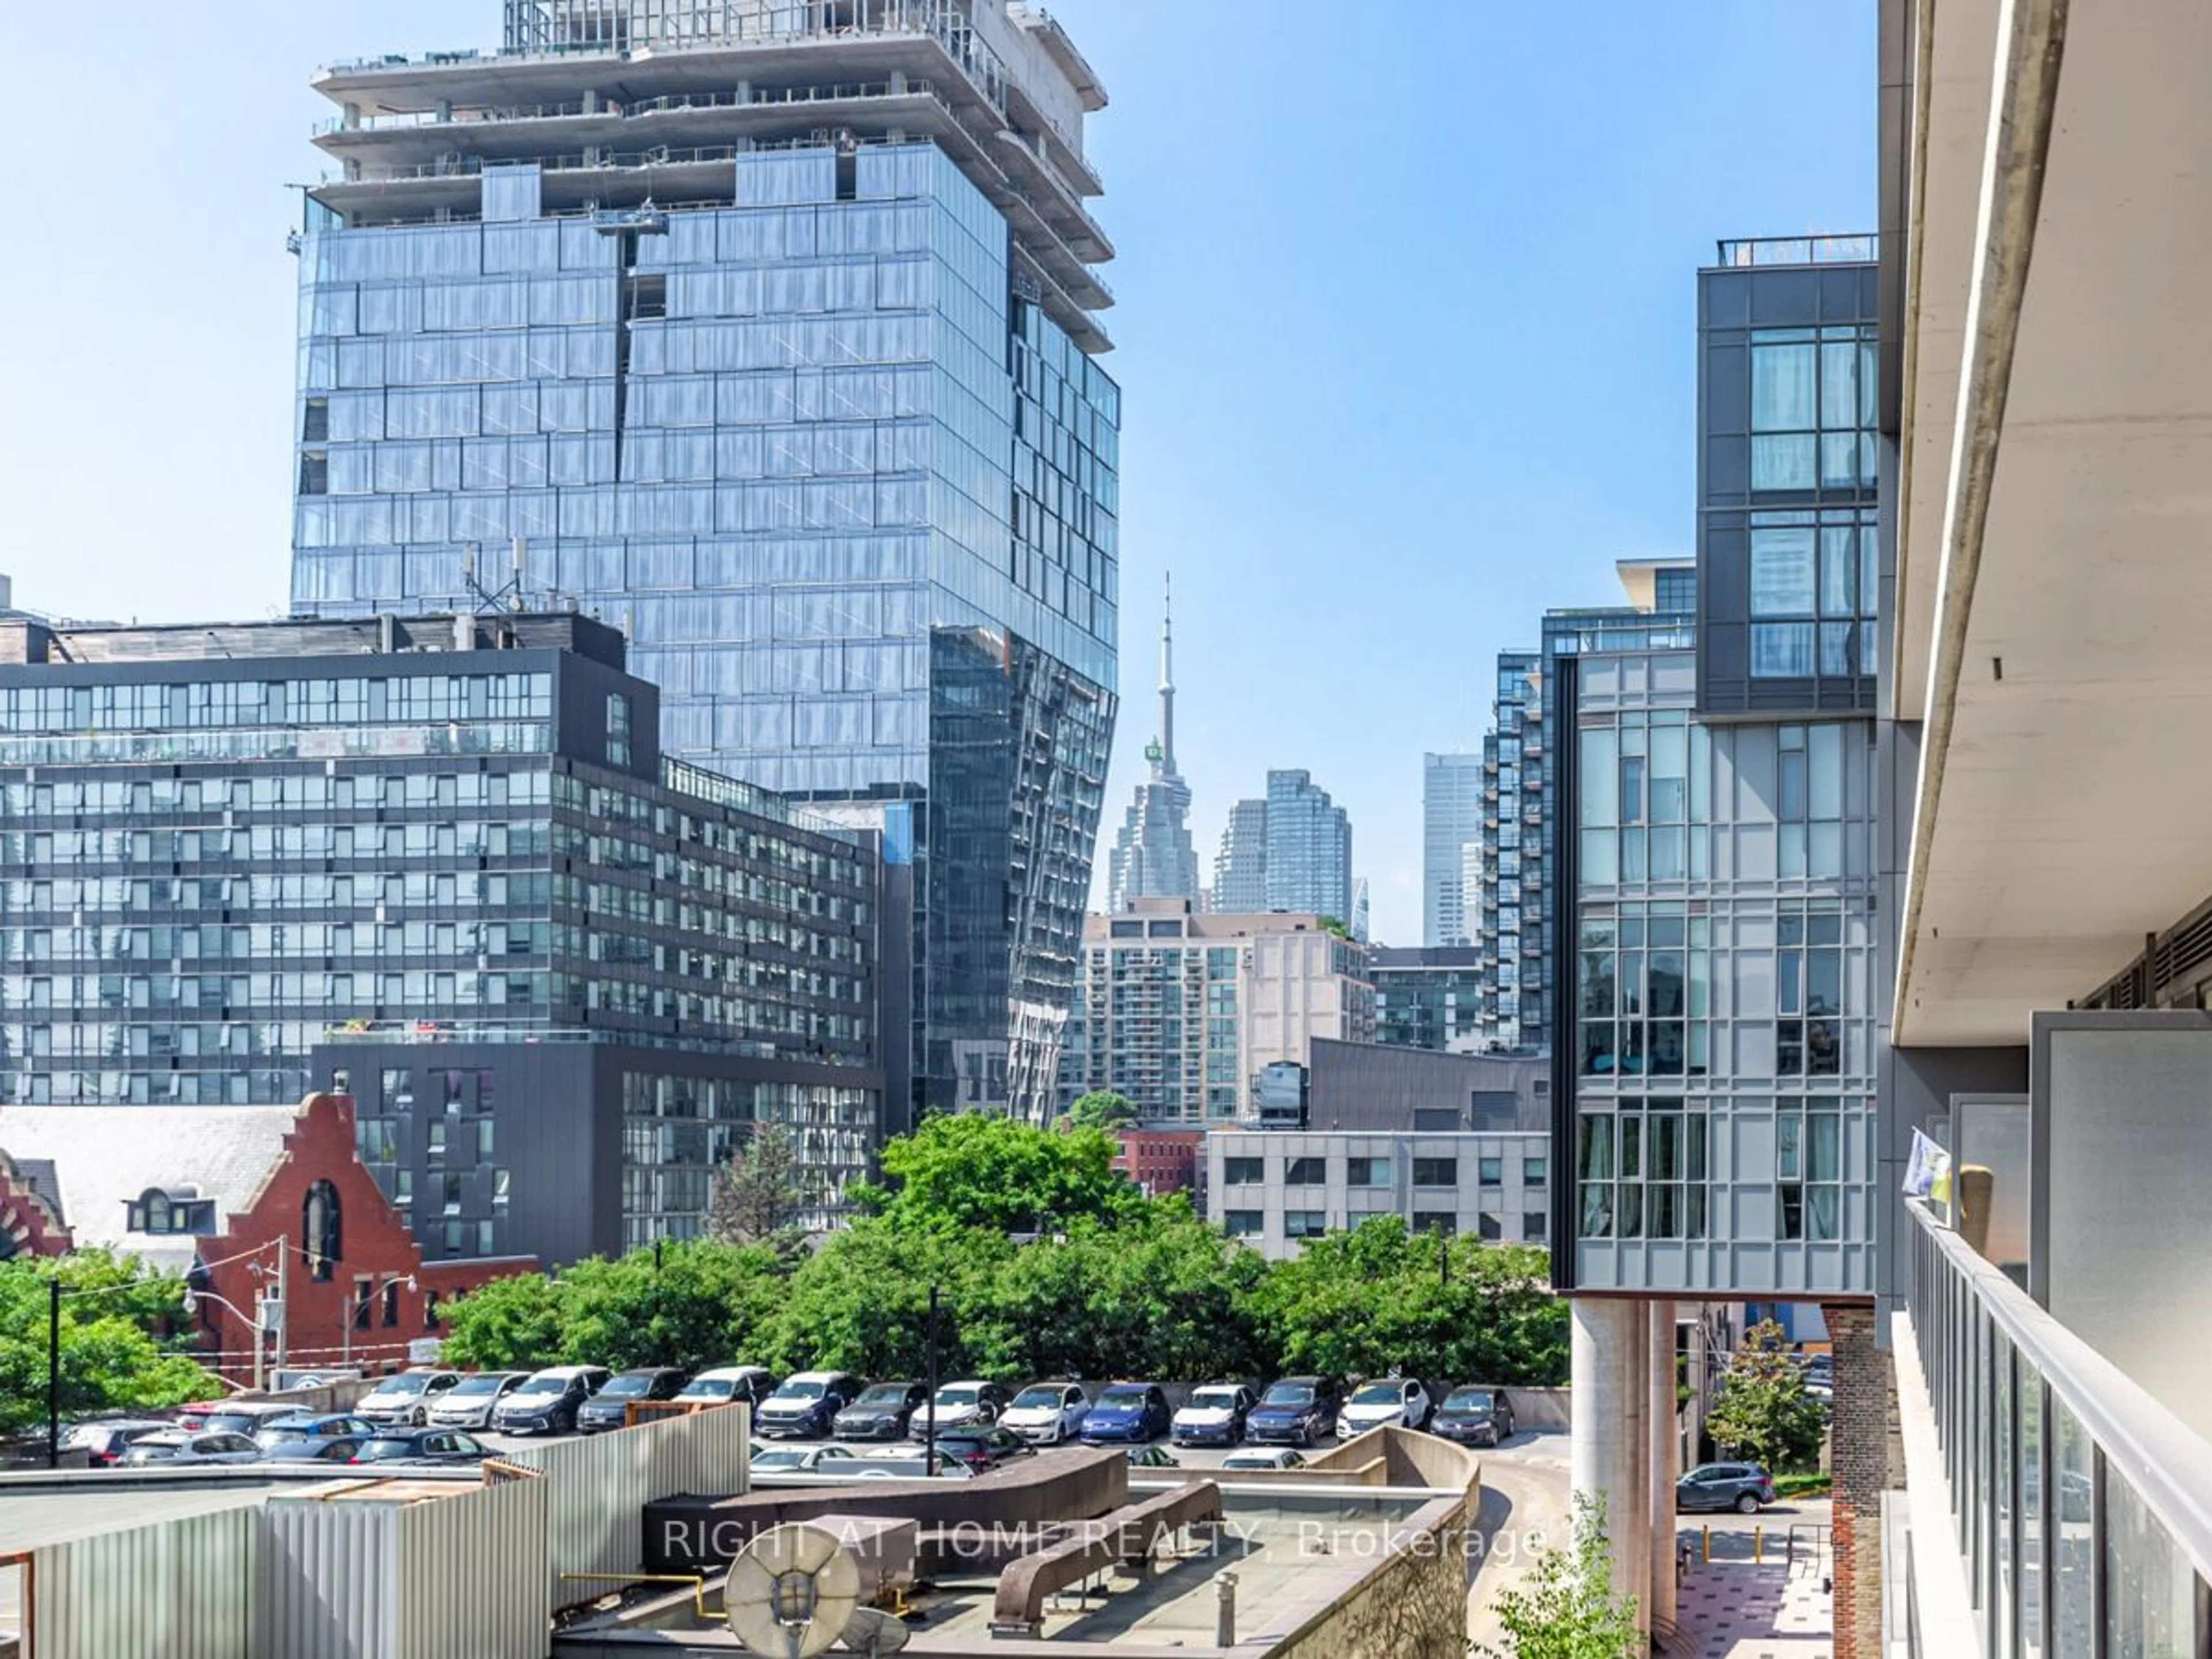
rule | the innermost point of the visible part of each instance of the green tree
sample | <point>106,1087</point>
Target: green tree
<point>1763,1411</point>
<point>697,1302</point>
<point>1566,1608</point>
<point>1379,1296</point>
<point>965,1169</point>
<point>861,1303</point>
<point>117,1352</point>
<point>1101,1108</point>
<point>757,1194</point>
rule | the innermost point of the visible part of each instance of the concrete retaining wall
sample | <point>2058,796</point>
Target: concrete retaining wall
<point>1541,1408</point>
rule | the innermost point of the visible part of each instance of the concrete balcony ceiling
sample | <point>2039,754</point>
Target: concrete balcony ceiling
<point>2066,632</point>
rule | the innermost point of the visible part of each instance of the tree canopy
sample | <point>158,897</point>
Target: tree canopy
<point>115,1353</point>
<point>1047,1263</point>
<point>1763,1410</point>
<point>756,1196</point>
<point>1101,1108</point>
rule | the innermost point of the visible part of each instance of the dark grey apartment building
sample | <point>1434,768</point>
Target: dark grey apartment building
<point>430,855</point>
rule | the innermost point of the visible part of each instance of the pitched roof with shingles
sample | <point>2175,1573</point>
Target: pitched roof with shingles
<point>105,1157</point>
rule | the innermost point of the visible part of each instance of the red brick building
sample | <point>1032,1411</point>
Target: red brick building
<point>1162,1161</point>
<point>30,1210</point>
<point>249,1202</point>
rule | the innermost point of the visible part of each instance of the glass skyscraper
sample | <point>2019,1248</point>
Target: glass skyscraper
<point>722,323</point>
<point>1451,822</point>
<point>1308,848</point>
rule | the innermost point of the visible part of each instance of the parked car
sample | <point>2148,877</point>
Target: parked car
<point>1474,1416</point>
<point>1127,1411</point>
<point>795,1460</point>
<point>984,1447</point>
<point>341,1449</point>
<point>1390,1402</point>
<point>958,1405</point>
<point>246,1417</point>
<point>169,1446</point>
<point>882,1411</point>
<point>1047,1413</point>
<point>896,1463</point>
<point>1264,1457</point>
<point>1152,1457</point>
<point>726,1385</point>
<point>406,1399</point>
<point>1743,1487</point>
<point>103,1444</point>
<point>1214,1417</point>
<point>1296,1411</point>
<point>807,1404</point>
<point>329,1426</point>
<point>547,1401</point>
<point>610,1408</point>
<point>423,1446</point>
<point>469,1403</point>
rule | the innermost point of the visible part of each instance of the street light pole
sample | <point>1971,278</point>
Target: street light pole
<point>929,1447</point>
<point>54,1372</point>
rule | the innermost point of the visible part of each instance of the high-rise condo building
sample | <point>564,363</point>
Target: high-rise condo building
<point>1308,848</point>
<point>1451,822</point>
<point>1153,856</point>
<point>1240,868</point>
<point>766,334</point>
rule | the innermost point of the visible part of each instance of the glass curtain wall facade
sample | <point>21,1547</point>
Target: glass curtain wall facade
<point>848,489</point>
<point>1451,822</point>
<point>1308,848</point>
<point>1240,868</point>
<point>1790,571</point>
<point>1724,960</point>
<point>1507,916</point>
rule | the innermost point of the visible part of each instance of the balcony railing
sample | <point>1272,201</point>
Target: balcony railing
<point>1746,252</point>
<point>2082,1507</point>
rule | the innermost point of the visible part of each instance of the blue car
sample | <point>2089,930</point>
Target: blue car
<point>1132,1412</point>
<point>1296,1411</point>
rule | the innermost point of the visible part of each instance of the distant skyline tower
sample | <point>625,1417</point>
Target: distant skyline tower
<point>1308,848</point>
<point>1153,856</point>
<point>1451,822</point>
<point>1240,869</point>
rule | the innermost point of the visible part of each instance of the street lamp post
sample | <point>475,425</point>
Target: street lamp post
<point>929,1446</point>
<point>54,1372</point>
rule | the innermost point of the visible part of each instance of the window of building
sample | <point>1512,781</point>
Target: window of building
<point>1306,1171</point>
<point>1535,1227</point>
<point>1490,1171</point>
<point>391,1304</point>
<point>1642,1171</point>
<point>315,421</point>
<point>1808,1169</point>
<point>1491,1225</point>
<point>1243,1223</point>
<point>321,1237</point>
<point>315,472</point>
<point>1242,1171</point>
<point>617,728</point>
<point>1436,1172</point>
<point>1534,1171</point>
<point>429,1310</point>
<point>363,1297</point>
<point>1304,1224</point>
<point>1366,1171</point>
<point>1808,995</point>
<point>1435,1120</point>
<point>1442,1222</point>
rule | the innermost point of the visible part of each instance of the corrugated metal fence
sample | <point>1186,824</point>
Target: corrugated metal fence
<point>180,1589</point>
<point>455,1577</point>
<point>602,1483</point>
<point>396,1571</point>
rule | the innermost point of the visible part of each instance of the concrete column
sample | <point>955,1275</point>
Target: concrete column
<point>1666,1442</point>
<point>1606,1455</point>
<point>1630,1507</point>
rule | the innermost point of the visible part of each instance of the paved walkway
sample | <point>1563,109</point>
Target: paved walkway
<point>1737,1610</point>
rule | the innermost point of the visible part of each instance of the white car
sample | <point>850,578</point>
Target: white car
<point>961,1406</point>
<point>1387,1402</point>
<point>406,1399</point>
<point>796,1460</point>
<point>172,1446</point>
<point>1263,1457</point>
<point>1214,1417</point>
<point>470,1402</point>
<point>1047,1414</point>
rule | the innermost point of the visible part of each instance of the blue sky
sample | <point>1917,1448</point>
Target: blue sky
<point>1406,324</point>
